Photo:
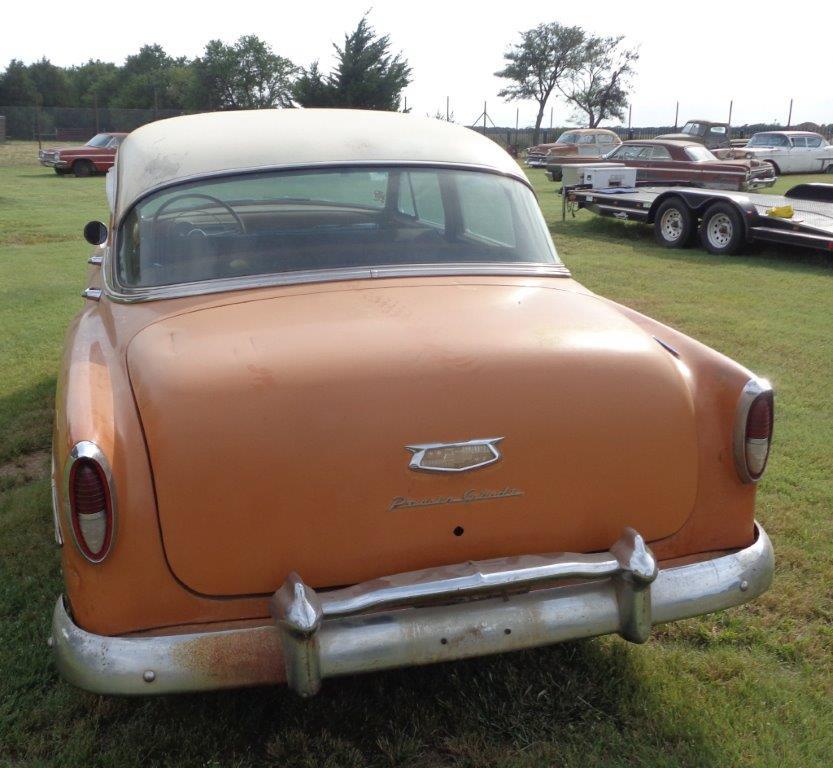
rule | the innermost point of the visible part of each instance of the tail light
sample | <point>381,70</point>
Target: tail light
<point>90,501</point>
<point>753,429</point>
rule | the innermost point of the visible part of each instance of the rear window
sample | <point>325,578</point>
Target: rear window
<point>700,154</point>
<point>291,221</point>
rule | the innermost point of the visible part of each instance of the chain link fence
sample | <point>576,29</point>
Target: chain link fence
<point>81,123</point>
<point>75,123</point>
<point>522,138</point>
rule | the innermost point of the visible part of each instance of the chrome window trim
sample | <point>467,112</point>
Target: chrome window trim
<point>206,287</point>
<point>86,449</point>
<point>752,390</point>
<point>115,292</point>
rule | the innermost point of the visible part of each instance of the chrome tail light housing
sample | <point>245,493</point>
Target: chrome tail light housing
<point>90,501</point>
<point>753,429</point>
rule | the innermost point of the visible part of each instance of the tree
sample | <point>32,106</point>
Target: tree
<point>599,87</point>
<point>147,80</point>
<point>16,87</point>
<point>51,83</point>
<point>94,83</point>
<point>546,56</point>
<point>246,75</point>
<point>366,75</point>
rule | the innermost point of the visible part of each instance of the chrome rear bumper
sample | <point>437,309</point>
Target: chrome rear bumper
<point>472,609</point>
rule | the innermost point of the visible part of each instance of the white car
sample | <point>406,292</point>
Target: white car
<point>788,151</point>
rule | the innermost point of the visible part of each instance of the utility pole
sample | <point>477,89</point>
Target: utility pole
<point>731,104</point>
<point>484,118</point>
<point>95,107</point>
<point>38,102</point>
<point>630,130</point>
<point>447,109</point>
<point>677,117</point>
<point>790,117</point>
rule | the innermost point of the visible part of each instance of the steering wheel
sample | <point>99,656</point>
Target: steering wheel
<point>201,196</point>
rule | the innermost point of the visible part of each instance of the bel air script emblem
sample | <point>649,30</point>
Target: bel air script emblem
<point>455,457</point>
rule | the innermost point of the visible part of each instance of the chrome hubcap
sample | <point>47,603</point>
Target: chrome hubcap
<point>671,225</point>
<point>719,230</point>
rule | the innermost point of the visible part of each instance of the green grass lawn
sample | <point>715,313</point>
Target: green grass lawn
<point>752,686</point>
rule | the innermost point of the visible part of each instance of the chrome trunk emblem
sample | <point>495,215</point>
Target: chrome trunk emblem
<point>455,457</point>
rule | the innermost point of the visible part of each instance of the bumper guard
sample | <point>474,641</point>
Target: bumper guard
<point>439,614</point>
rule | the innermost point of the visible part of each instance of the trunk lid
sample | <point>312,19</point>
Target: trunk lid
<point>277,430</point>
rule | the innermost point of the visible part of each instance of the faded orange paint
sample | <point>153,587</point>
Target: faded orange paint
<point>402,368</point>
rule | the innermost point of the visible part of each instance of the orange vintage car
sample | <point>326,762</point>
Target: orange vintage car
<point>334,405</point>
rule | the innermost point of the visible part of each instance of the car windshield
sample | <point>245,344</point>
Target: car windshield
<point>693,129</point>
<point>99,140</point>
<point>768,140</point>
<point>290,221</point>
<point>568,138</point>
<point>700,154</point>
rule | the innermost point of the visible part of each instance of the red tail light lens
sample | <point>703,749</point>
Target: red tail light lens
<point>758,434</point>
<point>90,504</point>
<point>753,430</point>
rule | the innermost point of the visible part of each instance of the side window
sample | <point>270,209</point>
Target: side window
<point>718,129</point>
<point>586,138</point>
<point>604,138</point>
<point>798,141</point>
<point>660,153</point>
<point>813,141</point>
<point>486,209</point>
<point>630,152</point>
<point>426,197</point>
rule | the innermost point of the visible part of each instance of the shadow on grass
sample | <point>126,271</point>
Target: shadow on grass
<point>572,703</point>
<point>26,418</point>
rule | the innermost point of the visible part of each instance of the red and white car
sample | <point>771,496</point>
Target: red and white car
<point>96,156</point>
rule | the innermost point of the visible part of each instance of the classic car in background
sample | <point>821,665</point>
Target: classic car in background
<point>710,134</point>
<point>96,156</point>
<point>787,151</point>
<point>681,162</point>
<point>346,410</point>
<point>581,142</point>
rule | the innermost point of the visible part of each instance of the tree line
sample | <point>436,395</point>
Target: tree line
<point>246,74</point>
<point>591,73</point>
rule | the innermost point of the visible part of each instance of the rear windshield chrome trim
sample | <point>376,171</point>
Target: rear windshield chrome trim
<point>181,290</point>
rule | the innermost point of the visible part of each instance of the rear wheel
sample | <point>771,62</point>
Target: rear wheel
<point>674,223</point>
<point>82,168</point>
<point>722,230</point>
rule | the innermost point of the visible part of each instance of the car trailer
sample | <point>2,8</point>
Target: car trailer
<point>725,221</point>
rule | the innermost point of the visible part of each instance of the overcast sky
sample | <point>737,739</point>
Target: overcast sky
<point>704,54</point>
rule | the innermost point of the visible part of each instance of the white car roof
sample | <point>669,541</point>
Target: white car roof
<point>791,133</point>
<point>181,148</point>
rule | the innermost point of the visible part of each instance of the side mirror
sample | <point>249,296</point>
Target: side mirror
<point>95,233</point>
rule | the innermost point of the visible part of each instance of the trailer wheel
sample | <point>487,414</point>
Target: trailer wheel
<point>722,230</point>
<point>674,224</point>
